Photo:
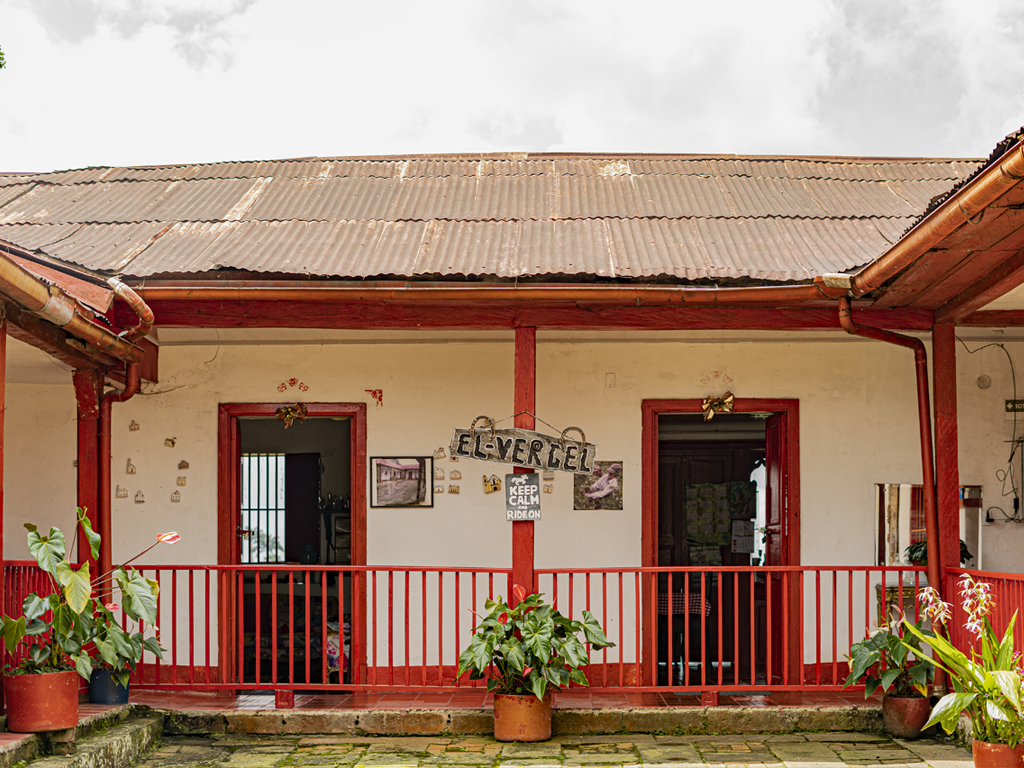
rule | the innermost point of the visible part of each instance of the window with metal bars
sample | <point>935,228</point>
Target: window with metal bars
<point>263,507</point>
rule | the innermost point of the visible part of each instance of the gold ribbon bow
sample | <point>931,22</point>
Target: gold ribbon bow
<point>713,405</point>
<point>289,413</point>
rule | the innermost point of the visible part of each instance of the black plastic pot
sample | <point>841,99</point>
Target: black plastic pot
<point>105,689</point>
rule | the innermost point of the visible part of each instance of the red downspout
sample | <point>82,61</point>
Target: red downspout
<point>130,388</point>
<point>931,522</point>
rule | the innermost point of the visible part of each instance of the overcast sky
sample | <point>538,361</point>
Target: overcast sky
<point>137,82</point>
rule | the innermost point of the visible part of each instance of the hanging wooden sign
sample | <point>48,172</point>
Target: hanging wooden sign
<point>525,448</point>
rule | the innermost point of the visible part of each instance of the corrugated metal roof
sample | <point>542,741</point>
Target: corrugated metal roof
<point>616,216</point>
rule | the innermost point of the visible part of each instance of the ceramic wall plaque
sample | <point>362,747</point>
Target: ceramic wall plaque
<point>453,489</point>
<point>182,480</point>
<point>130,468</point>
<point>170,441</point>
<point>140,498</point>
<point>134,426</point>
<point>121,493</point>
<point>182,465</point>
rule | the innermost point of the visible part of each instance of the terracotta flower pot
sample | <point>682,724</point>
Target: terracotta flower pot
<point>904,718</point>
<point>989,755</point>
<point>41,702</point>
<point>522,718</point>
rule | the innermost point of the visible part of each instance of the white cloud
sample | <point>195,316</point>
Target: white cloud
<point>127,82</point>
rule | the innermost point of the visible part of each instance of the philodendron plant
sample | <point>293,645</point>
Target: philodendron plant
<point>530,648</point>
<point>56,628</point>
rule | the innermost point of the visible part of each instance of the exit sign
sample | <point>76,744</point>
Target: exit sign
<point>1015,406</point>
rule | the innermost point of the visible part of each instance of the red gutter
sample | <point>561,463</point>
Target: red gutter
<point>966,206</point>
<point>138,306</point>
<point>924,418</point>
<point>448,292</point>
<point>115,396</point>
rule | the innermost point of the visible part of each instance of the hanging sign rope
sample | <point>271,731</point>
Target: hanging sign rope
<point>525,448</point>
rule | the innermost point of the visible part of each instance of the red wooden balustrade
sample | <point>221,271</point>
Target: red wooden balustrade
<point>266,627</point>
<point>1008,595</point>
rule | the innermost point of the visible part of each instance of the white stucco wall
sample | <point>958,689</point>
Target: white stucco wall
<point>858,427</point>
<point>40,449</point>
<point>985,432</point>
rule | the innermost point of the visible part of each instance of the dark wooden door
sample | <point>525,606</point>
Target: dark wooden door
<point>726,639</point>
<point>301,505</point>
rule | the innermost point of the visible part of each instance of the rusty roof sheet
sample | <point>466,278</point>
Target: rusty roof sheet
<point>642,217</point>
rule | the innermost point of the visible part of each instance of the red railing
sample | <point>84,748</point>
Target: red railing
<point>292,627</point>
<point>1008,594</point>
<point>730,628</point>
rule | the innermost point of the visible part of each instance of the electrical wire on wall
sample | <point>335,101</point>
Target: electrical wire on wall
<point>1004,475</point>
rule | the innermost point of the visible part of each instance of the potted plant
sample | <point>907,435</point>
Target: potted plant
<point>56,628</point>
<point>917,553</point>
<point>524,652</point>
<point>986,683</point>
<point>118,651</point>
<point>892,660</point>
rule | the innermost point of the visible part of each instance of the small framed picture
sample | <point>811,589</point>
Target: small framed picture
<point>402,481</point>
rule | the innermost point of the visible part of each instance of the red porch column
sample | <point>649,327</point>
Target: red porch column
<point>947,454</point>
<point>525,400</point>
<point>88,390</point>
<point>3,442</point>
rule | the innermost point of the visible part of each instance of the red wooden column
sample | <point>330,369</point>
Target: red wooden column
<point>947,454</point>
<point>525,400</point>
<point>88,390</point>
<point>3,443</point>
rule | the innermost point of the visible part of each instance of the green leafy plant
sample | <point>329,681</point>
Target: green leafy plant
<point>531,647</point>
<point>918,552</point>
<point>986,684</point>
<point>891,660</point>
<point>58,630</point>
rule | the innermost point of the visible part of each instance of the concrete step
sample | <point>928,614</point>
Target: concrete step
<point>109,740</point>
<point>460,722</point>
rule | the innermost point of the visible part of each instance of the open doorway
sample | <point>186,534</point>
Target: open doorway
<point>720,495</point>
<point>291,499</point>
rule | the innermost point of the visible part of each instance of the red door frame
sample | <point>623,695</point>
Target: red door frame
<point>228,484</point>
<point>650,410</point>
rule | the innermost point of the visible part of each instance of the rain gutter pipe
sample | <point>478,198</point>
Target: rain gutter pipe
<point>53,305</point>
<point>448,292</point>
<point>967,205</point>
<point>131,386</point>
<point>924,418</point>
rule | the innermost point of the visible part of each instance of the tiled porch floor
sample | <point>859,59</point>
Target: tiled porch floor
<point>586,699</point>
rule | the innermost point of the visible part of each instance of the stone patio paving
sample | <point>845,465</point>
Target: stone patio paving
<point>813,750</point>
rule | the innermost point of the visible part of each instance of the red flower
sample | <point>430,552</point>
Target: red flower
<point>527,671</point>
<point>519,592</point>
<point>168,538</point>
<point>112,607</point>
<point>503,619</point>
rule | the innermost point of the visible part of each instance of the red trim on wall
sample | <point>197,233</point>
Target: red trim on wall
<point>650,410</point>
<point>228,482</point>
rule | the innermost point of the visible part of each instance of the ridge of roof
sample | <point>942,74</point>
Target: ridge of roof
<point>524,156</point>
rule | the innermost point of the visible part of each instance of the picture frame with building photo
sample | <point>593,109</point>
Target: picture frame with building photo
<point>602,489</point>
<point>401,481</point>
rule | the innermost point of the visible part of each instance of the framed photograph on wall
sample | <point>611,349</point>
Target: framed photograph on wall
<point>600,490</point>
<point>402,481</point>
